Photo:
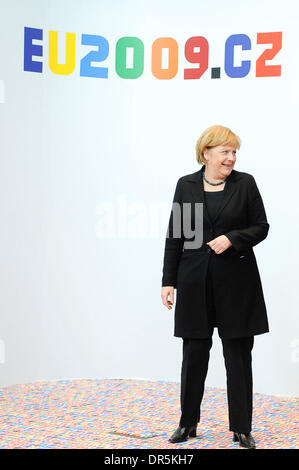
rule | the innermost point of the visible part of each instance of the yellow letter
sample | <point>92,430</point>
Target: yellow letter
<point>70,60</point>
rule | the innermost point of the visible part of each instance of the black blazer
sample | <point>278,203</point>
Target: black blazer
<point>239,298</point>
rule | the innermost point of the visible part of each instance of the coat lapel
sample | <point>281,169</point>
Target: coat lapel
<point>199,193</point>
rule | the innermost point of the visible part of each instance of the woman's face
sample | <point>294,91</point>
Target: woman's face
<point>220,160</point>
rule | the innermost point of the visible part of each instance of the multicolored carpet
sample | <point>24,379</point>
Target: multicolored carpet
<point>130,414</point>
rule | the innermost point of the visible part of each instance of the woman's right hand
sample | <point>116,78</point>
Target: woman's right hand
<point>167,291</point>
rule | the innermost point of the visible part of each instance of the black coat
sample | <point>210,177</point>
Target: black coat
<point>238,294</point>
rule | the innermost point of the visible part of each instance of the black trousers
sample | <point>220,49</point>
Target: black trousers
<point>237,358</point>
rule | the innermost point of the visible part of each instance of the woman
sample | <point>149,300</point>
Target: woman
<point>218,282</point>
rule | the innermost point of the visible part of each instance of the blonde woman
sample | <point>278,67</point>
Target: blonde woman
<point>218,283</point>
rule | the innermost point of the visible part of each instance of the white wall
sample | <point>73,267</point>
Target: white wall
<point>75,304</point>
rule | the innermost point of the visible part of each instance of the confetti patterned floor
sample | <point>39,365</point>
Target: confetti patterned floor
<point>129,414</point>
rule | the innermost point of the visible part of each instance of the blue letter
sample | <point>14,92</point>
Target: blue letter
<point>32,49</point>
<point>231,42</point>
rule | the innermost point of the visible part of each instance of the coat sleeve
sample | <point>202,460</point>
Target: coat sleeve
<point>174,241</point>
<point>258,226</point>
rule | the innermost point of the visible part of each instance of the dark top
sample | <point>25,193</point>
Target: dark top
<point>213,199</point>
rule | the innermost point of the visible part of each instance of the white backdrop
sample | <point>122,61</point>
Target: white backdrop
<point>88,170</point>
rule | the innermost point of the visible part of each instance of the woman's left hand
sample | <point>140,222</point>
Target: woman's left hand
<point>219,244</point>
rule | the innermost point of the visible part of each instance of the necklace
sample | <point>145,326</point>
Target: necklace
<point>213,184</point>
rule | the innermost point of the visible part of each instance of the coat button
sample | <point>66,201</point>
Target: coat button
<point>209,250</point>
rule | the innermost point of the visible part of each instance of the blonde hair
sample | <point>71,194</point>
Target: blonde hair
<point>212,136</point>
